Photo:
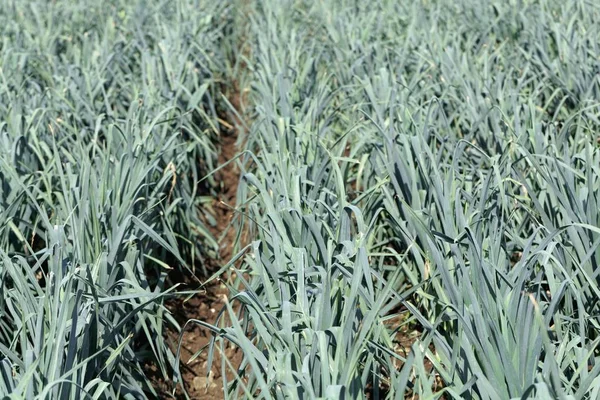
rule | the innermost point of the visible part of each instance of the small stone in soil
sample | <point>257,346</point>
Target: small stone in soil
<point>200,383</point>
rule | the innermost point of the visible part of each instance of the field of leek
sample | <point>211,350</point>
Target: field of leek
<point>417,212</point>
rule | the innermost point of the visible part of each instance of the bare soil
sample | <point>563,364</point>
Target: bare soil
<point>198,382</point>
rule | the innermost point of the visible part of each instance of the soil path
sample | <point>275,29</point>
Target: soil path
<point>206,305</point>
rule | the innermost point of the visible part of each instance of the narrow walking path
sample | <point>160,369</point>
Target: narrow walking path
<point>206,304</point>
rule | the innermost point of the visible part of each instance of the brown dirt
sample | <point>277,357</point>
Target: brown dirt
<point>206,305</point>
